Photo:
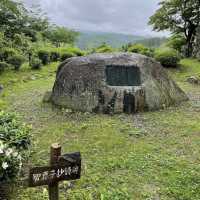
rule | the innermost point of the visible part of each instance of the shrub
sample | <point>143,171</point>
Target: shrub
<point>76,51</point>
<point>1,55</point>
<point>176,42</point>
<point>35,63</point>
<point>6,53</point>
<point>14,143</point>
<point>10,163</point>
<point>70,49</point>
<point>20,41</point>
<point>79,53</point>
<point>3,66</point>
<point>167,57</point>
<point>44,56</point>
<point>104,48</point>
<point>13,131</point>
<point>55,56</point>
<point>141,49</point>
<point>136,48</point>
<point>16,61</point>
<point>2,40</point>
<point>66,55</point>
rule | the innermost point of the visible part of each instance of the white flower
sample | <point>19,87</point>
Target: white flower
<point>20,165</point>
<point>9,152</point>
<point>15,154</point>
<point>1,147</point>
<point>4,165</point>
<point>1,150</point>
<point>19,157</point>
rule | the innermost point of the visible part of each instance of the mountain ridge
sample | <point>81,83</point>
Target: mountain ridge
<point>92,39</point>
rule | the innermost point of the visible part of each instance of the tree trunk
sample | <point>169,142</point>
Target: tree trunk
<point>189,49</point>
<point>190,40</point>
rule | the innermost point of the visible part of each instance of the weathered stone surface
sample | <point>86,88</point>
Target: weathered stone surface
<point>137,83</point>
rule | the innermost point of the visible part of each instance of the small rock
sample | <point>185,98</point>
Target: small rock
<point>1,88</point>
<point>194,80</point>
<point>33,78</point>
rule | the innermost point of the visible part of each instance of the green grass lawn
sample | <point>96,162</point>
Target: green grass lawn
<point>148,156</point>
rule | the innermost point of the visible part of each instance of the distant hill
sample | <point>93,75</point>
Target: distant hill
<point>153,41</point>
<point>88,39</point>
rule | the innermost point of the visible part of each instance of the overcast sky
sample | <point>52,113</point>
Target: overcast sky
<point>121,16</point>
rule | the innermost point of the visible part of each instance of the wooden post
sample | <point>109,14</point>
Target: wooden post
<point>55,153</point>
<point>65,167</point>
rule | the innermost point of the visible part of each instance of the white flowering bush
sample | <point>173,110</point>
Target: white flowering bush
<point>10,163</point>
<point>14,143</point>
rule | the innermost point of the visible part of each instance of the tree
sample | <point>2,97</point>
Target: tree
<point>59,35</point>
<point>104,48</point>
<point>20,25</point>
<point>179,17</point>
<point>11,6</point>
<point>37,19</point>
<point>11,17</point>
<point>16,19</point>
<point>176,42</point>
<point>36,22</point>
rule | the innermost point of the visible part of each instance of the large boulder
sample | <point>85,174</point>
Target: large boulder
<point>114,83</point>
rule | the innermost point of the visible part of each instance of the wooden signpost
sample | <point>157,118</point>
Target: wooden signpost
<point>62,167</point>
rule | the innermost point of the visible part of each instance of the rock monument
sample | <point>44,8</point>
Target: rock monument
<point>114,83</point>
